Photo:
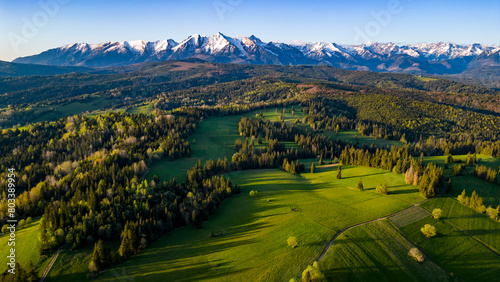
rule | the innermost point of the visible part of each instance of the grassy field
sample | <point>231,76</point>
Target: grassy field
<point>471,222</point>
<point>376,252</point>
<point>354,137</point>
<point>253,231</point>
<point>455,251</point>
<point>73,265</point>
<point>425,79</point>
<point>486,190</point>
<point>481,160</point>
<point>409,216</point>
<point>26,246</point>
<point>214,138</point>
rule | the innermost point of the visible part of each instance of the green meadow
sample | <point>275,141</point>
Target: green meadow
<point>26,246</point>
<point>477,225</point>
<point>354,137</point>
<point>251,233</point>
<point>377,252</point>
<point>455,251</point>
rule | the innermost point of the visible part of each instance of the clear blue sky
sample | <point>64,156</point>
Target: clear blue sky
<point>344,22</point>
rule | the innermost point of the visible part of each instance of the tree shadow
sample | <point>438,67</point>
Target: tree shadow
<point>405,191</point>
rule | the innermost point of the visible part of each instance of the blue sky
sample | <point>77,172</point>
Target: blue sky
<point>27,28</point>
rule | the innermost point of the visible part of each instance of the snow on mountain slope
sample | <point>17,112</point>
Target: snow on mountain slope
<point>422,58</point>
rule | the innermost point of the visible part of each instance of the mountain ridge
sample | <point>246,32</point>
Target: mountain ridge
<point>423,58</point>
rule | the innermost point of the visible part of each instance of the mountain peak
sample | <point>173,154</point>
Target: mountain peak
<point>252,50</point>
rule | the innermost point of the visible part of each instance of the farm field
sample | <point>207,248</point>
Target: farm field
<point>455,251</point>
<point>377,252</point>
<point>471,222</point>
<point>309,208</point>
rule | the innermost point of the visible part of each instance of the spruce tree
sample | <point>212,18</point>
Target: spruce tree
<point>339,172</point>
<point>360,185</point>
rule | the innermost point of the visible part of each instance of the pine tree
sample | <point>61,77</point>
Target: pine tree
<point>461,197</point>
<point>360,185</point>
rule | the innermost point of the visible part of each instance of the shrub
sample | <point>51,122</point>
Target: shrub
<point>382,189</point>
<point>493,213</point>
<point>436,213</point>
<point>21,224</point>
<point>416,254</point>
<point>312,273</point>
<point>253,193</point>
<point>292,242</point>
<point>428,230</point>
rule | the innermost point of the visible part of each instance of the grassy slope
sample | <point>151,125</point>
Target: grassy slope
<point>71,265</point>
<point>456,251</point>
<point>214,139</point>
<point>471,222</point>
<point>409,216</point>
<point>486,190</point>
<point>354,137</point>
<point>254,245</point>
<point>26,246</point>
<point>376,252</point>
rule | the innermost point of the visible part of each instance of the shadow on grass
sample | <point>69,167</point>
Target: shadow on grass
<point>366,175</point>
<point>406,191</point>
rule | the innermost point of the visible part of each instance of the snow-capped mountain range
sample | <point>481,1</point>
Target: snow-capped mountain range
<point>430,58</point>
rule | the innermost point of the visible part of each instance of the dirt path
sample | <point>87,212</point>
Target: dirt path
<point>47,269</point>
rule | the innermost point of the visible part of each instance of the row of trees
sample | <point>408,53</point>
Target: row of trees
<point>476,203</point>
<point>487,174</point>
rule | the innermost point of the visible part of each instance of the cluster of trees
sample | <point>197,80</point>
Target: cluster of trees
<point>431,181</point>
<point>312,273</point>
<point>476,203</point>
<point>422,117</point>
<point>78,157</point>
<point>293,167</point>
<point>487,174</point>
<point>333,114</point>
<point>458,169</point>
<point>397,159</point>
<point>22,274</point>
